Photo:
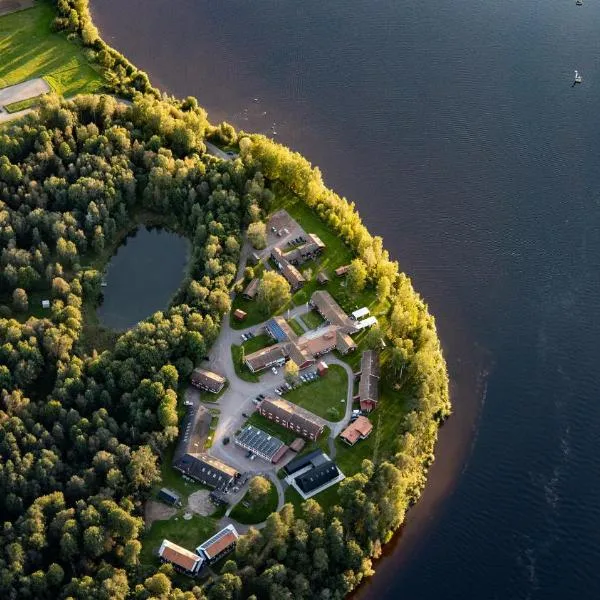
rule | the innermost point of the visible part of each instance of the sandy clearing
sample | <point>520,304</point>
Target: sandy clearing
<point>10,6</point>
<point>199,502</point>
<point>157,511</point>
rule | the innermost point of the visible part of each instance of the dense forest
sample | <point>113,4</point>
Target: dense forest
<point>82,430</point>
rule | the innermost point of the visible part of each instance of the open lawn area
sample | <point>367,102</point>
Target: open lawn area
<point>254,310</point>
<point>188,534</point>
<point>30,49</point>
<point>326,397</point>
<point>257,343</point>
<point>255,512</point>
<point>296,327</point>
<point>312,319</point>
<point>388,425</point>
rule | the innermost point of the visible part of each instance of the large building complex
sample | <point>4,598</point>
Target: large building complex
<point>305,349</point>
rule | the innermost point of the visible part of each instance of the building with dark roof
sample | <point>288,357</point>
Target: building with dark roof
<point>279,329</point>
<point>183,560</point>
<point>218,545</point>
<point>169,496</point>
<point>251,289</point>
<point>317,477</point>
<point>288,270</point>
<point>307,251</point>
<point>206,469</point>
<point>207,380</point>
<point>314,458</point>
<point>291,417</point>
<point>261,443</point>
<point>322,278</point>
<point>368,387</point>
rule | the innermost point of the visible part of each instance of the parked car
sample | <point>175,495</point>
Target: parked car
<point>248,454</point>
<point>243,337</point>
<point>256,400</point>
<point>274,370</point>
<point>249,335</point>
<point>273,229</point>
<point>261,396</point>
<point>253,457</point>
<point>225,441</point>
<point>245,415</point>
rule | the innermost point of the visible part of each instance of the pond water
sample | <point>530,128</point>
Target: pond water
<point>142,277</point>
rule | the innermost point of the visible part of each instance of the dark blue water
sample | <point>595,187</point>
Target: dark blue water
<point>454,127</point>
<point>142,276</point>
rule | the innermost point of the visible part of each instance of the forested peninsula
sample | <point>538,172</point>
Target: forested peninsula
<point>86,420</point>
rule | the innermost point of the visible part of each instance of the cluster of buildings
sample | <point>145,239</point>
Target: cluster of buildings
<point>288,261</point>
<point>312,473</point>
<point>190,563</point>
<point>304,350</point>
<point>190,459</point>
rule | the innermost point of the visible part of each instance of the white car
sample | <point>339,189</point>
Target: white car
<point>274,370</point>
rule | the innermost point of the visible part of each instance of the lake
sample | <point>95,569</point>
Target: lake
<point>142,277</point>
<point>454,127</point>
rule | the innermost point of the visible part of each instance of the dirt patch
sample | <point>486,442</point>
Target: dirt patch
<point>199,502</point>
<point>157,511</point>
<point>10,6</point>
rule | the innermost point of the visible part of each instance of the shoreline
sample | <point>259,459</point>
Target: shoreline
<point>457,433</point>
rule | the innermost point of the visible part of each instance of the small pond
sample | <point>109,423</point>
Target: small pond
<point>142,276</point>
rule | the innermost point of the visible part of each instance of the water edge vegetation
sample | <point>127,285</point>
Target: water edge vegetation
<point>83,431</point>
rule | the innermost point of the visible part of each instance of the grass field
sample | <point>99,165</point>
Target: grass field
<point>30,49</point>
<point>256,512</point>
<point>254,310</point>
<point>296,327</point>
<point>312,319</point>
<point>323,396</point>
<point>258,342</point>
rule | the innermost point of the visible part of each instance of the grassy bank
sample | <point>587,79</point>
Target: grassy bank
<point>29,48</point>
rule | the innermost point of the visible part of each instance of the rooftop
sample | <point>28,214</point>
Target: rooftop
<point>217,543</point>
<point>178,555</point>
<point>360,428</point>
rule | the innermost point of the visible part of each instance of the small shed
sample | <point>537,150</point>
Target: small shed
<point>169,497</point>
<point>239,314</point>
<point>322,278</point>
<point>297,445</point>
<point>45,303</point>
<point>254,259</point>
<point>322,368</point>
<point>341,271</point>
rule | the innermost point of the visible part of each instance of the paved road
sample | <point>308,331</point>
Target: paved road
<point>20,91</point>
<point>212,149</point>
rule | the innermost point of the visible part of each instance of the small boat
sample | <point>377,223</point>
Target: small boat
<point>579,2</point>
<point>578,78</point>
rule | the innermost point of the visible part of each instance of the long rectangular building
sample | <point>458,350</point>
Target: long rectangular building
<point>331,311</point>
<point>291,417</point>
<point>368,387</point>
<point>218,545</point>
<point>183,560</point>
<point>206,469</point>
<point>261,443</point>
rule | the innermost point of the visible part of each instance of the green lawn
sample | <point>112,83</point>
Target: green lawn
<point>312,319</point>
<point>188,534</point>
<point>241,370</point>
<point>254,309</point>
<point>285,435</point>
<point>214,421</point>
<point>258,342</point>
<point>323,396</point>
<point>256,512</point>
<point>297,328</point>
<point>30,49</point>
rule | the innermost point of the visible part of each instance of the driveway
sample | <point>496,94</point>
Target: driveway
<point>21,91</point>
